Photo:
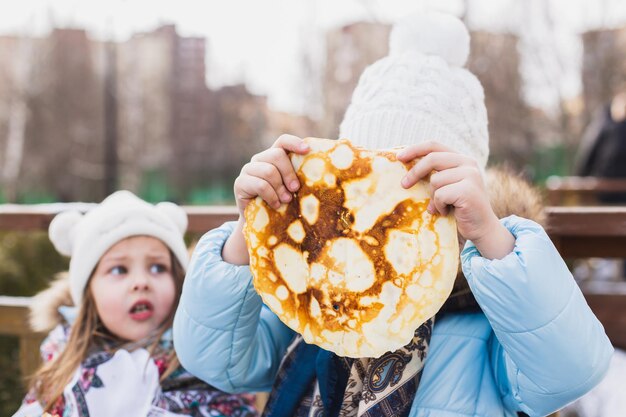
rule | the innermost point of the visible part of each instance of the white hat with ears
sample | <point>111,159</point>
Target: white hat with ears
<point>86,237</point>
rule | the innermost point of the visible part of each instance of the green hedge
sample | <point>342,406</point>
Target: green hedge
<point>27,262</point>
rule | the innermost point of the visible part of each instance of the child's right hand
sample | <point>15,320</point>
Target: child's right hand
<point>269,175</point>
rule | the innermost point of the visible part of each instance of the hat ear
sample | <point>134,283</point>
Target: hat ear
<point>61,231</point>
<point>175,213</point>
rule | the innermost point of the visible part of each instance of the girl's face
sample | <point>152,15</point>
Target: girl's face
<point>133,287</point>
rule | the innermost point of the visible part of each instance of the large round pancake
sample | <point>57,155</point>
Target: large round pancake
<point>354,263</point>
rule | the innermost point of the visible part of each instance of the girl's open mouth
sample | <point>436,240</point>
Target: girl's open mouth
<point>141,310</point>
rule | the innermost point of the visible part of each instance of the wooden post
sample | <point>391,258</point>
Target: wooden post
<point>14,313</point>
<point>30,359</point>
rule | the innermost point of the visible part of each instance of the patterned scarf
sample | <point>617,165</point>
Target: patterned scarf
<point>312,382</point>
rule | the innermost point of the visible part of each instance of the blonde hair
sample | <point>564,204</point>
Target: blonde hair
<point>88,332</point>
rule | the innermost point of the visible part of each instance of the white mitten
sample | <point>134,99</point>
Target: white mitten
<point>130,381</point>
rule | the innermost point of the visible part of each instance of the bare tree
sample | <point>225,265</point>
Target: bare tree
<point>110,119</point>
<point>349,50</point>
<point>22,66</point>
<point>495,61</point>
<point>561,123</point>
<point>604,68</point>
<point>65,154</point>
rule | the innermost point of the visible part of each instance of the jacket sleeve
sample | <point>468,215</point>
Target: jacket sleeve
<point>549,347</point>
<point>223,333</point>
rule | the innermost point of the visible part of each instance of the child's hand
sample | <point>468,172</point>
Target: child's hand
<point>457,183</point>
<point>270,174</point>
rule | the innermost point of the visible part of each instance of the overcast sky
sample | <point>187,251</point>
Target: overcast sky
<point>261,42</point>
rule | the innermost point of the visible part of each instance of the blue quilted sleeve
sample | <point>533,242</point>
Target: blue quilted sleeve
<point>549,348</point>
<point>223,333</point>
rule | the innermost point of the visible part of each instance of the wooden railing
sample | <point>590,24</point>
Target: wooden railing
<point>582,191</point>
<point>578,232</point>
<point>25,218</point>
<point>584,232</point>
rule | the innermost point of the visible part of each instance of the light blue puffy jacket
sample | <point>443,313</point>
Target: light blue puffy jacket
<point>536,348</point>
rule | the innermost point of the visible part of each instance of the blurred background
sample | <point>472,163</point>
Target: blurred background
<point>170,99</point>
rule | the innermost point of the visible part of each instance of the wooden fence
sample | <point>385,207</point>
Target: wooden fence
<point>578,232</point>
<point>582,191</point>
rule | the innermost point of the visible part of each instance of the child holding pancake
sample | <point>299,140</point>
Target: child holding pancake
<point>524,341</point>
<point>110,350</point>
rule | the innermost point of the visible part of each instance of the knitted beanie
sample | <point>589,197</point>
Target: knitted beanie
<point>421,92</point>
<point>85,238</point>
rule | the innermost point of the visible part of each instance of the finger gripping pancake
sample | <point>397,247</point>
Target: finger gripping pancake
<point>354,262</point>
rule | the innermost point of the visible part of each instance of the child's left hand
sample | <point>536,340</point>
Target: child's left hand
<point>456,181</point>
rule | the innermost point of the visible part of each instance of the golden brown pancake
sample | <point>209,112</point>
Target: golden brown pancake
<point>354,263</point>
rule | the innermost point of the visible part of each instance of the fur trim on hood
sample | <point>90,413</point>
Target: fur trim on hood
<point>44,309</point>
<point>510,194</point>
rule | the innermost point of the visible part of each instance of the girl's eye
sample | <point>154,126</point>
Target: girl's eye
<point>157,268</point>
<point>118,270</point>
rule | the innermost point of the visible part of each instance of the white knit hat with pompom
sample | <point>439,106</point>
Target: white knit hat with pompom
<point>85,238</point>
<point>421,92</point>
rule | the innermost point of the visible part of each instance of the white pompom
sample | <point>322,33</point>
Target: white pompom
<point>175,213</point>
<point>61,231</point>
<point>431,33</point>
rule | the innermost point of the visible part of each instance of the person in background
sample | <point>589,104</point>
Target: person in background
<point>520,338</point>
<point>110,351</point>
<point>602,151</point>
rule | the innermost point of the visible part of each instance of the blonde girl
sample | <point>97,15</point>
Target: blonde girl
<point>112,354</point>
